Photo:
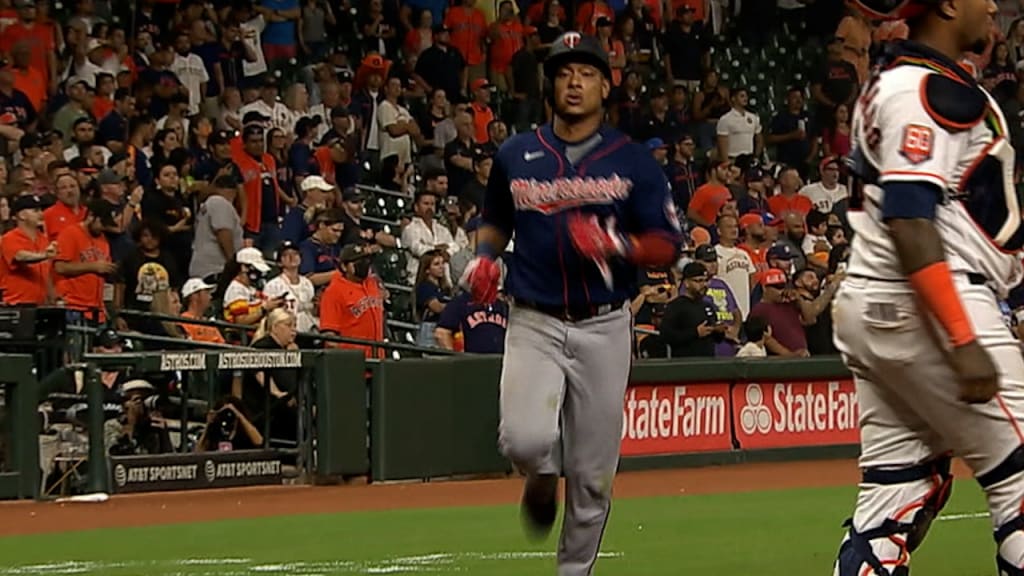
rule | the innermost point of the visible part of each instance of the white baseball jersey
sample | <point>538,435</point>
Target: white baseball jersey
<point>897,139</point>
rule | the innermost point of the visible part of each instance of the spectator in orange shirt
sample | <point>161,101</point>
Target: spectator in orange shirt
<point>197,296</point>
<point>481,110</point>
<point>352,305</point>
<point>710,197</point>
<point>31,81</point>
<point>468,31</point>
<point>68,210</point>
<point>789,199</point>
<point>40,39</point>
<point>83,264</point>
<point>25,266</point>
<point>506,39</point>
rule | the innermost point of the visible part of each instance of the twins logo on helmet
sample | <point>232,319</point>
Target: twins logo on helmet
<point>571,39</point>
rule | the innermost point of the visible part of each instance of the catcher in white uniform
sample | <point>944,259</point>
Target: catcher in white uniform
<point>938,231</point>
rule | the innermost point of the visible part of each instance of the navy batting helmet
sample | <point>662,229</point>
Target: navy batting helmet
<point>892,9</point>
<point>575,47</point>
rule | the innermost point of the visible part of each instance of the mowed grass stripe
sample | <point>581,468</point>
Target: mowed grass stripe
<point>785,533</point>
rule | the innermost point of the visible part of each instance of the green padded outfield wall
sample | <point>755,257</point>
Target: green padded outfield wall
<point>435,417</point>
<point>342,420</point>
<point>438,417</point>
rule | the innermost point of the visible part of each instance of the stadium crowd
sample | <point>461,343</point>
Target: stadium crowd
<point>327,158</point>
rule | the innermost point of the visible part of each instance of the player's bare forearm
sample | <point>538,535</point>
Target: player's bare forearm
<point>493,237</point>
<point>917,243</point>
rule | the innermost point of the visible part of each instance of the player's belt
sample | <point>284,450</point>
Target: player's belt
<point>972,277</point>
<point>572,313</point>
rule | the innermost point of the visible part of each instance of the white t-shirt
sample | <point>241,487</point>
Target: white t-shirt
<point>823,198</point>
<point>298,299</point>
<point>279,114</point>
<point>251,31</point>
<point>810,240</point>
<point>192,74</point>
<point>740,127</point>
<point>735,268</point>
<point>387,115</point>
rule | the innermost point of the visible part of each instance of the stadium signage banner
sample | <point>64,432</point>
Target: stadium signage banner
<point>676,419</point>
<point>168,472</point>
<point>184,361</point>
<point>259,360</point>
<point>791,414</point>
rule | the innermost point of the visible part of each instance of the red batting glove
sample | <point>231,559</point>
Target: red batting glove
<point>592,241</point>
<point>481,279</point>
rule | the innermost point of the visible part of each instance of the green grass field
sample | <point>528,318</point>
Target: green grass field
<point>784,533</point>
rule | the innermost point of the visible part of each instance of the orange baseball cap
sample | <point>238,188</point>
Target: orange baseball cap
<point>750,219</point>
<point>700,236</point>
<point>773,277</point>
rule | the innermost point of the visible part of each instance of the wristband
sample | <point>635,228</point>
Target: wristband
<point>486,249</point>
<point>934,284</point>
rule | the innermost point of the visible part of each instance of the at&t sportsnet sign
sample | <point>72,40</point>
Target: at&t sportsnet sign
<point>194,471</point>
<point>795,414</point>
<point>674,419</point>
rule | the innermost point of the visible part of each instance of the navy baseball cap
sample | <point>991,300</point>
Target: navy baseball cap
<point>781,252</point>
<point>26,202</point>
<point>285,246</point>
<point>694,270</point>
<point>656,144</point>
<point>705,253</point>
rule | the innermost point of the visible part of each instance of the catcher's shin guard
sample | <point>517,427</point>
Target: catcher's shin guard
<point>895,509</point>
<point>1004,486</point>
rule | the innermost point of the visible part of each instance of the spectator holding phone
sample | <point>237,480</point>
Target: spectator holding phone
<point>720,295</point>
<point>244,302</point>
<point>690,326</point>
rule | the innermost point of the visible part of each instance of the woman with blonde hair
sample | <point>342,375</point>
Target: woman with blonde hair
<point>433,291</point>
<point>276,331</point>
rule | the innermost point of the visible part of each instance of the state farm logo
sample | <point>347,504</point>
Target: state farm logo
<point>755,416</point>
<point>796,408</point>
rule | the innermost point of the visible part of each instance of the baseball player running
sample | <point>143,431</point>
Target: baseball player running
<point>938,235</point>
<point>587,207</point>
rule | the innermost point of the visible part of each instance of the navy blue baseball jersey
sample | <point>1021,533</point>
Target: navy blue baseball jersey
<point>482,325</point>
<point>534,189</point>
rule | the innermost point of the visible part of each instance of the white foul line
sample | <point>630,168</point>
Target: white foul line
<point>965,516</point>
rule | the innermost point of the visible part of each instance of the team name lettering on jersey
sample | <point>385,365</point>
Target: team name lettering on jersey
<point>549,197</point>
<point>366,303</point>
<point>477,318</point>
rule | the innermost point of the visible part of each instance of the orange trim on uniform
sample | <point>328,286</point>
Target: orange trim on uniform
<point>939,118</point>
<point>1009,416</point>
<point>934,284</point>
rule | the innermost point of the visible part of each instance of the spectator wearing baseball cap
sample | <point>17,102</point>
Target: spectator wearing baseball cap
<point>755,191</point>
<point>197,295</point>
<point>659,150</point>
<point>25,255</point>
<point>480,105</point>
<point>82,265</point>
<point>243,298</point>
<point>779,309</point>
<point>293,288</point>
<point>321,249</point>
<point>826,192</point>
<point>690,327</point>
<point>220,161</point>
<point>755,241</point>
<point>658,122</point>
<point>723,298</point>
<point>358,230</point>
<point>316,193</point>
<point>352,304</point>
<point>526,87</point>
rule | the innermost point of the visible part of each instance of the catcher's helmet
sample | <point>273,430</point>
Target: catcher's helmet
<point>891,9</point>
<point>575,47</point>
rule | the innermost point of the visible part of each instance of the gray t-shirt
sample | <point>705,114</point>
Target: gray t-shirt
<point>215,214</point>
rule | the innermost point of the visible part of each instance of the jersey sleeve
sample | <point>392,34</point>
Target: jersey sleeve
<point>452,314</point>
<point>912,147</point>
<point>499,209</point>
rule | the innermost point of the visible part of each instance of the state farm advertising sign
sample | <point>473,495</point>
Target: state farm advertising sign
<point>807,413</point>
<point>676,419</point>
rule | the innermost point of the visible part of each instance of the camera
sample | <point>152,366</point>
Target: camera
<point>224,423</point>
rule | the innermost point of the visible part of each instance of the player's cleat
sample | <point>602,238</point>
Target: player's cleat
<point>540,505</point>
